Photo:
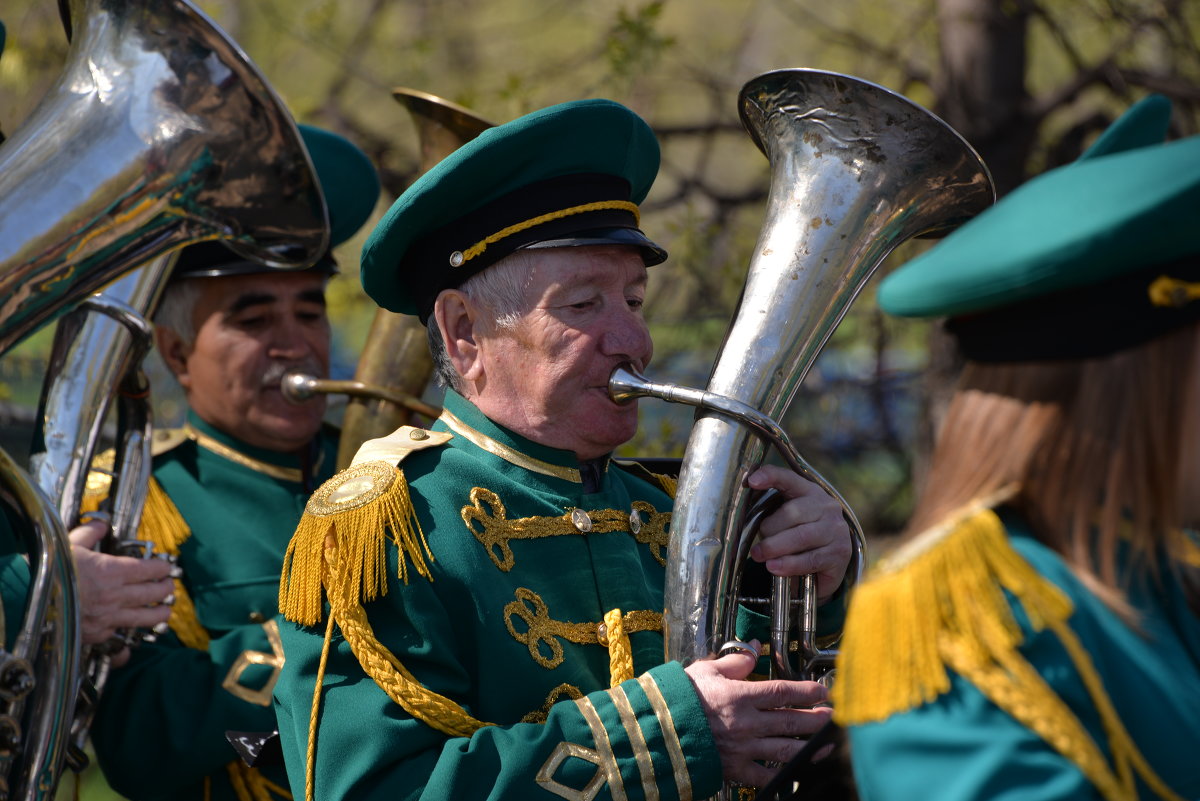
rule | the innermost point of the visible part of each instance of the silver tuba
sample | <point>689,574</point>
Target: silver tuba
<point>856,170</point>
<point>160,133</point>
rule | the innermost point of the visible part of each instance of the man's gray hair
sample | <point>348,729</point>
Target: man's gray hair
<point>500,290</point>
<point>175,311</point>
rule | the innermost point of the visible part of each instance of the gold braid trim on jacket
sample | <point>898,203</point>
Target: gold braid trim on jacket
<point>942,606</point>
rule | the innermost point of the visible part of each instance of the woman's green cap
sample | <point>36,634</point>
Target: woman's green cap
<point>570,174</point>
<point>1127,206</point>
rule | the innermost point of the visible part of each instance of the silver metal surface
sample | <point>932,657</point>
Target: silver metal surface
<point>96,366</point>
<point>856,170</point>
<point>158,133</point>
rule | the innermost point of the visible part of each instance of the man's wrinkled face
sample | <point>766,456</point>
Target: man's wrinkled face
<point>250,330</point>
<point>547,376</point>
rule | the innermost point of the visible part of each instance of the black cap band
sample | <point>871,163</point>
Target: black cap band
<point>1087,322</point>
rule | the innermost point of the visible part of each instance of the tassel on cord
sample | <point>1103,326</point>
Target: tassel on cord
<point>358,508</point>
<point>943,607</point>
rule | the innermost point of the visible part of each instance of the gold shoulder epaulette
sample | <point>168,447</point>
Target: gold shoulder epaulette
<point>99,479</point>
<point>340,547</point>
<point>942,604</point>
<point>353,514</point>
<point>167,439</point>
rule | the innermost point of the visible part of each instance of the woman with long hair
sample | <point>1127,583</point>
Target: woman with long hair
<point>1037,634</point>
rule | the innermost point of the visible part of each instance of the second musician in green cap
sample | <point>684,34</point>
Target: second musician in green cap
<point>226,491</point>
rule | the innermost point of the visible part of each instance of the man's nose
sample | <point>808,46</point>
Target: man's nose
<point>288,341</point>
<point>628,338</point>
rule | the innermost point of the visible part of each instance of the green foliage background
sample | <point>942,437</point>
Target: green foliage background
<point>864,414</point>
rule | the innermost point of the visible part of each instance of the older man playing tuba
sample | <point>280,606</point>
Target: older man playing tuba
<point>479,604</point>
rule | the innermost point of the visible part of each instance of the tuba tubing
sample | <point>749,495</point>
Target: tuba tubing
<point>158,134</point>
<point>855,170</point>
<point>395,357</point>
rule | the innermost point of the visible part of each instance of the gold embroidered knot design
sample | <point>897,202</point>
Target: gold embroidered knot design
<point>488,520</point>
<point>541,629</point>
<point>562,691</point>
<point>353,488</point>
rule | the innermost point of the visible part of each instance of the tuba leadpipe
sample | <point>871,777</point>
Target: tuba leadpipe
<point>855,170</point>
<point>158,134</point>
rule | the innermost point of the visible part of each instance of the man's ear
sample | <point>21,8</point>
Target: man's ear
<point>174,351</point>
<point>455,316</point>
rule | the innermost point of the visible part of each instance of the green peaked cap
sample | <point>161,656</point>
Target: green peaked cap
<point>1128,203</point>
<point>350,185</point>
<point>569,174</point>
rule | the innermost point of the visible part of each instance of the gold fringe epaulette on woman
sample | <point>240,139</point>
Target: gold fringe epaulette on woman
<point>941,605</point>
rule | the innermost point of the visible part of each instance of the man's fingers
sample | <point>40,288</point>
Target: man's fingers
<point>152,593</point>
<point>738,663</point>
<point>142,618</point>
<point>86,535</point>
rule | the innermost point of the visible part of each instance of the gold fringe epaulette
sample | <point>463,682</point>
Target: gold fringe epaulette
<point>355,513</point>
<point>939,606</point>
<point>339,554</point>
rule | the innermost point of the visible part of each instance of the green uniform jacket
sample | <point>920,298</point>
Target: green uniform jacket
<point>160,729</point>
<point>506,625</point>
<point>962,746</point>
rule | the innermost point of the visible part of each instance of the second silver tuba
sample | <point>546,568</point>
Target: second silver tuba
<point>159,133</point>
<point>856,170</point>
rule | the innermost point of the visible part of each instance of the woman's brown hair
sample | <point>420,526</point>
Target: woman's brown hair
<point>1092,447</point>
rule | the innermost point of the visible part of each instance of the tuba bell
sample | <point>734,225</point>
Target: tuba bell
<point>158,134</point>
<point>856,170</point>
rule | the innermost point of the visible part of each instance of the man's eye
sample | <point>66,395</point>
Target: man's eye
<point>583,304</point>
<point>258,321</point>
<point>635,303</point>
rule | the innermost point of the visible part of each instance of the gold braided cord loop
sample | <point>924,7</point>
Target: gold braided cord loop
<point>436,711</point>
<point>488,520</point>
<point>314,715</point>
<point>359,507</point>
<point>620,652</point>
<point>944,607</point>
<point>479,247</point>
<point>557,694</point>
